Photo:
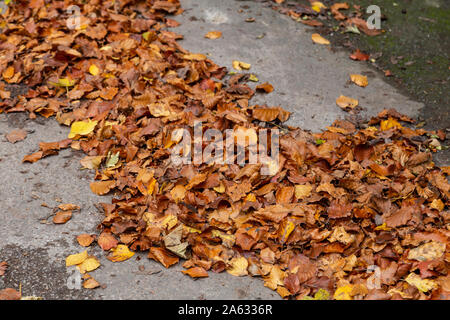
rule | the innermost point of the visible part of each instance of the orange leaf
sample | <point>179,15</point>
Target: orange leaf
<point>85,240</point>
<point>317,38</point>
<point>213,35</point>
<point>107,241</point>
<point>62,217</point>
<point>267,87</point>
<point>360,80</point>
<point>166,258</point>
<point>196,272</point>
<point>346,102</point>
<point>102,187</point>
<point>33,157</point>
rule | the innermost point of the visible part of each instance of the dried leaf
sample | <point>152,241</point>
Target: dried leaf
<point>9,294</point>
<point>85,239</point>
<point>90,283</point>
<point>428,251</point>
<point>346,102</point>
<point>317,38</point>
<point>88,265</point>
<point>62,217</point>
<point>107,241</point>
<point>423,285</point>
<point>239,65</point>
<point>16,135</point>
<point>196,272</point>
<point>238,267</point>
<point>82,128</point>
<point>75,259</point>
<point>213,35</point>
<point>102,187</point>
<point>120,253</point>
<point>360,80</point>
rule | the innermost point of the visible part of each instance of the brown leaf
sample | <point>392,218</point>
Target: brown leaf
<point>107,241</point>
<point>400,217</point>
<point>335,10</point>
<point>68,206</point>
<point>284,195</point>
<point>339,210</point>
<point>266,87</point>
<point>3,267</point>
<point>102,187</point>
<point>9,294</point>
<point>85,240</point>
<point>196,272</point>
<point>62,217</point>
<point>16,135</point>
<point>33,157</point>
<point>90,283</point>
<point>166,258</point>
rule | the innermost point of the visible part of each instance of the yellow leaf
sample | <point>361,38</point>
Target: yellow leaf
<point>228,240</point>
<point>169,221</point>
<point>389,123</point>
<point>220,188</point>
<point>94,70</point>
<point>8,73</point>
<point>88,265</point>
<point>317,5</point>
<point>253,78</point>
<point>437,204</point>
<point>317,38</point>
<point>322,294</point>
<point>213,35</point>
<point>250,197</point>
<point>151,186</point>
<point>428,251</point>
<point>275,278</point>
<point>178,193</point>
<point>64,82</point>
<point>360,80</point>
<point>343,293</point>
<point>191,230</point>
<point>383,227</point>
<point>238,267</point>
<point>75,259</point>
<point>283,292</point>
<point>146,35</point>
<point>423,285</point>
<point>239,65</point>
<point>82,128</point>
<point>286,229</point>
<point>120,253</point>
<point>302,191</point>
<point>195,57</point>
<point>346,102</point>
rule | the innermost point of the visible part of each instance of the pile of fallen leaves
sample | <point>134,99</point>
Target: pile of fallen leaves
<point>355,212</point>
